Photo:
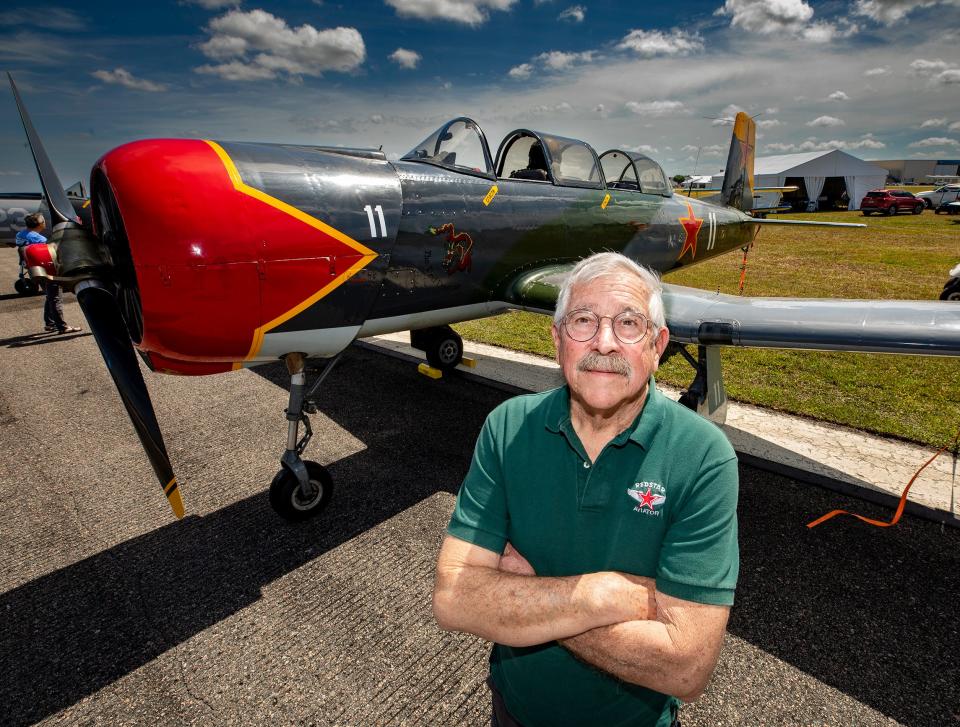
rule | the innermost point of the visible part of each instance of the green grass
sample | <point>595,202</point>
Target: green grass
<point>903,257</point>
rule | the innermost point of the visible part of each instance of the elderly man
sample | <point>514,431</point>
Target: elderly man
<point>594,539</point>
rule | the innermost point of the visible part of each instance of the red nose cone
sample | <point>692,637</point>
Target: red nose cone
<point>201,240</point>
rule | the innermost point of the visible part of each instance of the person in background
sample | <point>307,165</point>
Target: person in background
<point>53,306</point>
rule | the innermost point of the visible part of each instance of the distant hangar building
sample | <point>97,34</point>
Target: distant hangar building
<point>919,171</point>
<point>822,176</point>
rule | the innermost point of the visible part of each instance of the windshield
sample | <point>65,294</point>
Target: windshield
<point>459,145</point>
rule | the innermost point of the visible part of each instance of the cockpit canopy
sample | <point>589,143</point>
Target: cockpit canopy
<point>636,171</point>
<point>534,156</point>
<point>458,145</point>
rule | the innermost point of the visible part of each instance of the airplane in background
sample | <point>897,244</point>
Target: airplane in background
<point>14,207</point>
<point>266,252</point>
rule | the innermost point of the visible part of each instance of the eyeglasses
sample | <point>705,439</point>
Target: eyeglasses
<point>628,327</point>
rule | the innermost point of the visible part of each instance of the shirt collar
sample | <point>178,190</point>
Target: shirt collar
<point>640,431</point>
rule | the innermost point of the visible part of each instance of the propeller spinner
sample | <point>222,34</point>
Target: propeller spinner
<point>85,266</point>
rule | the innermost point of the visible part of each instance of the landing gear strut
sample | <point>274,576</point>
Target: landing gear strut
<point>301,489</point>
<point>706,394</point>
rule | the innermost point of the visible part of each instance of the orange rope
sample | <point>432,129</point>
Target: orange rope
<point>903,498</point>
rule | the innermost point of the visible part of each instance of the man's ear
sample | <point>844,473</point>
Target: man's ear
<point>660,343</point>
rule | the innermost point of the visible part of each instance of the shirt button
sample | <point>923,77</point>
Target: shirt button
<point>586,465</point>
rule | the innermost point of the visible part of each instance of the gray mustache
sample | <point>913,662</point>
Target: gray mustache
<point>613,364</point>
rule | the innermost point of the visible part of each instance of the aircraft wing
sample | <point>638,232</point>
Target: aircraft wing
<point>927,328</point>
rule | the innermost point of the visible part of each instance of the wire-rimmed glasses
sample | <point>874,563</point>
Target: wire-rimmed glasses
<point>629,326</point>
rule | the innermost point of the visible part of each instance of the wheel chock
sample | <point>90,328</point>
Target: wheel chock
<point>470,363</point>
<point>428,370</point>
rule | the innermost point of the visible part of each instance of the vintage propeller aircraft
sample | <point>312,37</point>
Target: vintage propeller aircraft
<point>272,251</point>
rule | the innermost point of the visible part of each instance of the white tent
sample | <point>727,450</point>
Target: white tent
<point>815,167</point>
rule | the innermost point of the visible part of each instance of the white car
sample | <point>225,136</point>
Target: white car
<point>935,197</point>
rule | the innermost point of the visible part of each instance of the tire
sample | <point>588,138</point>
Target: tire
<point>445,350</point>
<point>287,501</point>
<point>25,286</point>
<point>917,209</point>
<point>867,214</point>
<point>892,210</point>
<point>951,291</point>
<point>927,203</point>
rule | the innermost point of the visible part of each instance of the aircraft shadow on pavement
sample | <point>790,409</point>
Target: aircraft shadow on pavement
<point>872,613</point>
<point>76,630</point>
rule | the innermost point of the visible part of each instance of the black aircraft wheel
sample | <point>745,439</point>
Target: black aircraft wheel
<point>288,501</point>
<point>951,291</point>
<point>25,286</point>
<point>445,350</point>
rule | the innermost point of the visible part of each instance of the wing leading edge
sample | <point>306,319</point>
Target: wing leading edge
<point>924,328</point>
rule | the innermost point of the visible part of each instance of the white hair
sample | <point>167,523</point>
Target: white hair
<point>612,264</point>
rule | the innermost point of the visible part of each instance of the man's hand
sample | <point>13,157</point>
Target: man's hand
<point>512,562</point>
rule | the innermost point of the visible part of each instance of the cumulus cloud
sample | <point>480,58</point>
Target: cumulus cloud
<point>256,45</point>
<point>767,16</point>
<point>562,108</point>
<point>650,43</point>
<point>935,141</point>
<point>522,71</point>
<point>468,12</point>
<point>655,108</point>
<point>643,149</point>
<point>826,121</point>
<point>955,126</point>
<point>783,17</point>
<point>557,60</point>
<point>923,67</point>
<point>879,71</point>
<point>123,77</point>
<point>933,123</point>
<point>948,77</point>
<point>838,96</point>
<point>813,144</point>
<point>405,58</point>
<point>574,14</point>
<point>727,116</point>
<point>769,123</point>
<point>889,12</point>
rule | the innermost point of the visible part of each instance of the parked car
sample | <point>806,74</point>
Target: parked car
<point>889,202</point>
<point>950,197</point>
<point>935,197</point>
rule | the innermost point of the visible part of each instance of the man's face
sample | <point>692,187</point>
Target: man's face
<point>604,373</point>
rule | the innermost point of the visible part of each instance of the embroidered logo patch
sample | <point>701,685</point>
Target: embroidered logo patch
<point>649,496</point>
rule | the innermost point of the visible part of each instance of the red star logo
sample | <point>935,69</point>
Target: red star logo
<point>691,228</point>
<point>647,498</point>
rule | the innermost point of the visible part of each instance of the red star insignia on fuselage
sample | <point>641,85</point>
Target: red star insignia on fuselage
<point>691,228</point>
<point>647,498</point>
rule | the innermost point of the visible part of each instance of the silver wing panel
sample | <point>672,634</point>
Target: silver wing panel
<point>927,328</point>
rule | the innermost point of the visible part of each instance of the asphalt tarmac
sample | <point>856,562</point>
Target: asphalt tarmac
<point>115,613</point>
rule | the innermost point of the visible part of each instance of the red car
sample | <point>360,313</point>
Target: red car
<point>889,202</point>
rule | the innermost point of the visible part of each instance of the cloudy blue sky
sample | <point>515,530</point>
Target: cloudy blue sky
<point>879,78</point>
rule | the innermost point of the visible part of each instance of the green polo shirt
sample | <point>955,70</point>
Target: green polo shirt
<point>659,501</point>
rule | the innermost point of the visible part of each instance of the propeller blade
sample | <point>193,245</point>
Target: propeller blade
<point>103,315</point>
<point>60,206</point>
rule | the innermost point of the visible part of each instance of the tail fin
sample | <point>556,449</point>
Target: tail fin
<point>738,178</point>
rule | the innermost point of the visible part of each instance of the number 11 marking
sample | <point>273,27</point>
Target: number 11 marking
<point>373,224</point>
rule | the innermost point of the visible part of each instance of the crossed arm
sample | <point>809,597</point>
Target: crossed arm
<point>614,621</point>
